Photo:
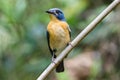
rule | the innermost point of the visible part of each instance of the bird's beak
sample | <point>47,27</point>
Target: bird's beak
<point>49,12</point>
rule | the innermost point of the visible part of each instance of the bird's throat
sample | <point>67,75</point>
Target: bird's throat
<point>53,18</point>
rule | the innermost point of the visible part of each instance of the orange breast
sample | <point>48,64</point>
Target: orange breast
<point>58,34</point>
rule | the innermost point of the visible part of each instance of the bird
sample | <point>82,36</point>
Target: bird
<point>58,34</point>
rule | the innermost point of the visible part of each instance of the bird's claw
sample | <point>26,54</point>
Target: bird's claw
<point>53,59</point>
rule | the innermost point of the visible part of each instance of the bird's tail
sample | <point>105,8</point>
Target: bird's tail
<point>60,67</point>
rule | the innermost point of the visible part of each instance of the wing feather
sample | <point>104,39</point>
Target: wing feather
<point>48,40</point>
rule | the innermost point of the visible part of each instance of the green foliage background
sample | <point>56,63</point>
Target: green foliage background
<point>24,52</point>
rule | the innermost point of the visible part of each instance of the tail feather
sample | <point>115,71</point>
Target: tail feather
<point>60,67</point>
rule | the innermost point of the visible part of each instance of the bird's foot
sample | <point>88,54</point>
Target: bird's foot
<point>53,59</point>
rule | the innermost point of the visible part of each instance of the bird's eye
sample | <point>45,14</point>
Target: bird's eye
<point>57,11</point>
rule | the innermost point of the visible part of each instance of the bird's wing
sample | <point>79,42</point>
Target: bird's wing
<point>69,31</point>
<point>48,40</point>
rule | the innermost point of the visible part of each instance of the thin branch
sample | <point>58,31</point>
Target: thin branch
<point>78,39</point>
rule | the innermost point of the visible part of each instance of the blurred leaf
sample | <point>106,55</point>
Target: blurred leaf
<point>5,39</point>
<point>63,76</point>
<point>20,8</point>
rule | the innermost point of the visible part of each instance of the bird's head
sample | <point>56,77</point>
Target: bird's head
<point>56,13</point>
